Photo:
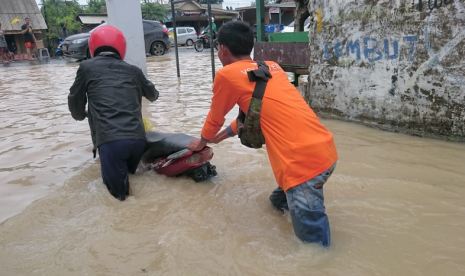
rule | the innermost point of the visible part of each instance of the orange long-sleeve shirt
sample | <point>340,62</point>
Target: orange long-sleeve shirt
<point>299,146</point>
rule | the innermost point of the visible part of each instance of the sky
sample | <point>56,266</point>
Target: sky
<point>229,3</point>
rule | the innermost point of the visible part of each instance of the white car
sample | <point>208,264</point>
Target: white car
<point>186,35</point>
<point>290,28</point>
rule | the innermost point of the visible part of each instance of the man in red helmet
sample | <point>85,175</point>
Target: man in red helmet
<point>113,90</point>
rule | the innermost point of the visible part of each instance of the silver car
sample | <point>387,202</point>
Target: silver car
<point>290,28</point>
<point>186,35</point>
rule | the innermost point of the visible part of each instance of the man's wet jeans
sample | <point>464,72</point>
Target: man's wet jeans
<point>305,203</point>
<point>116,159</point>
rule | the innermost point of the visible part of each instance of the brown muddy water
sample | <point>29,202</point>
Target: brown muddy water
<point>396,203</point>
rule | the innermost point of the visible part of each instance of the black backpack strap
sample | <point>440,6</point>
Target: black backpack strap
<point>261,77</point>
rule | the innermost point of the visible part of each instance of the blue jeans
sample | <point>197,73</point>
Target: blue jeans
<point>305,203</point>
<point>117,158</point>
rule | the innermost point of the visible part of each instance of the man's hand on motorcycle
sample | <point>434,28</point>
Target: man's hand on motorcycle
<point>197,144</point>
<point>219,137</point>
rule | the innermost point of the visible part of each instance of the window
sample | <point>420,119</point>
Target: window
<point>182,31</point>
<point>147,27</point>
<point>190,30</point>
<point>103,24</point>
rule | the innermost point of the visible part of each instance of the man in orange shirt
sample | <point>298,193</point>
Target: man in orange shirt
<point>301,150</point>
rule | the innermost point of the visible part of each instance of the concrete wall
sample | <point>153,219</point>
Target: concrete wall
<point>126,15</point>
<point>390,63</point>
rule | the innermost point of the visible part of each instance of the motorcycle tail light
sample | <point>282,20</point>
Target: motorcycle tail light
<point>208,152</point>
<point>195,158</point>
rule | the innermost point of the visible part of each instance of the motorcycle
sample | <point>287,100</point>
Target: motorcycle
<point>59,50</point>
<point>166,154</point>
<point>203,42</point>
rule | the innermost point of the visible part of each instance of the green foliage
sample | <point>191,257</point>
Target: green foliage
<point>211,1</point>
<point>153,11</point>
<point>96,6</point>
<point>59,12</point>
<point>253,3</point>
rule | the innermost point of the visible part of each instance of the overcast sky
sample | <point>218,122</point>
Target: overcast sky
<point>229,3</point>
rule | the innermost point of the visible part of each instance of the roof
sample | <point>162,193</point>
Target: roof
<point>20,9</point>
<point>217,11</point>
<point>90,19</point>
<point>190,5</point>
<point>249,8</point>
<point>281,5</point>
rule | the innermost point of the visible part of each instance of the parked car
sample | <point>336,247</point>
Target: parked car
<point>290,28</point>
<point>186,35</point>
<point>156,41</point>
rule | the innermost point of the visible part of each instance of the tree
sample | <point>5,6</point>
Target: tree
<point>96,6</point>
<point>211,1</point>
<point>58,12</point>
<point>253,3</point>
<point>301,14</point>
<point>153,11</point>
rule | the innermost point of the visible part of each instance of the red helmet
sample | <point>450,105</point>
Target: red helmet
<point>107,36</point>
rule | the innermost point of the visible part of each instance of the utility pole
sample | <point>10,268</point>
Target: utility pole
<point>212,46</point>
<point>260,5</point>
<point>45,18</point>
<point>126,15</point>
<point>173,14</point>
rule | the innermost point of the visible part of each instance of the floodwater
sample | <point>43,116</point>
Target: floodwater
<point>396,203</point>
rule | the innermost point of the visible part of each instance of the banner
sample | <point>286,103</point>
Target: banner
<point>15,20</point>
<point>274,10</point>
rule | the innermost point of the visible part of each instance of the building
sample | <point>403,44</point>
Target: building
<point>12,15</point>
<point>282,13</point>
<point>193,14</point>
<point>90,21</point>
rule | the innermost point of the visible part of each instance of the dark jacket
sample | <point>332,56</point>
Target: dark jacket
<point>113,90</point>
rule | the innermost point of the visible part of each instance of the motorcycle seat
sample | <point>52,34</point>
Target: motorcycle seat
<point>161,144</point>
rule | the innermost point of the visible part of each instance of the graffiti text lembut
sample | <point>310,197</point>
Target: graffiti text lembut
<point>371,50</point>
